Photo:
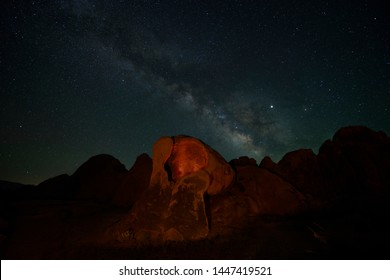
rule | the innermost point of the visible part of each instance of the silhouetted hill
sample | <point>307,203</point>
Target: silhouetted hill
<point>334,204</point>
<point>9,186</point>
<point>102,178</point>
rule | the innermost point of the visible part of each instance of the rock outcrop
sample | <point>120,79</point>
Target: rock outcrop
<point>256,192</point>
<point>173,206</point>
<point>189,191</point>
<point>302,169</point>
<point>331,205</point>
<point>99,177</point>
<point>134,183</point>
<point>243,161</point>
<point>105,179</point>
<point>356,161</point>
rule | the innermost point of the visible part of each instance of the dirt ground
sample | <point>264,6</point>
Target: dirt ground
<point>81,230</point>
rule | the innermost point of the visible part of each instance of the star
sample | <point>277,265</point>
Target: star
<point>123,75</point>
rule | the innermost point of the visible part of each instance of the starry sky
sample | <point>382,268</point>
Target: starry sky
<point>255,78</point>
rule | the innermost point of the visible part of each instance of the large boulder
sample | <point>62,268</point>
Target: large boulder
<point>173,206</point>
<point>256,192</point>
<point>356,161</point>
<point>189,155</point>
<point>302,170</point>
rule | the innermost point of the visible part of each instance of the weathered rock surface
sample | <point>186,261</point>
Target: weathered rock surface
<point>173,207</point>
<point>256,192</point>
<point>331,205</point>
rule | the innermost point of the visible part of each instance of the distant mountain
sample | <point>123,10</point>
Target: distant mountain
<point>10,186</point>
<point>101,178</point>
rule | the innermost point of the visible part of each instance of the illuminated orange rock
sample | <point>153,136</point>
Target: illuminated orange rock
<point>186,214</point>
<point>173,207</point>
<point>189,155</point>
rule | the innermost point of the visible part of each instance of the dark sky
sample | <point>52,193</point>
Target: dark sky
<point>255,78</point>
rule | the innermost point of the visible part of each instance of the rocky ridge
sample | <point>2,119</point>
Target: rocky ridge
<point>348,180</point>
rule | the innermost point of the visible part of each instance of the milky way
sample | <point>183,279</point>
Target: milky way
<point>81,78</point>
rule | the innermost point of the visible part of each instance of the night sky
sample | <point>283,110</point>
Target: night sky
<point>255,78</point>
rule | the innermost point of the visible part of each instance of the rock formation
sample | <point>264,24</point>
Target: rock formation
<point>256,192</point>
<point>355,161</point>
<point>302,170</point>
<point>334,204</point>
<point>134,183</point>
<point>243,161</point>
<point>173,206</point>
<point>99,177</point>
